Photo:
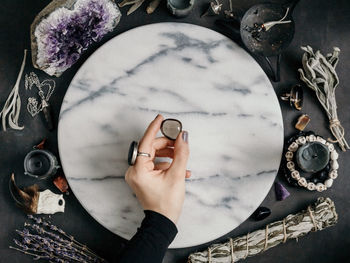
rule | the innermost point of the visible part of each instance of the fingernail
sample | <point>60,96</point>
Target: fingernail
<point>156,116</point>
<point>185,136</point>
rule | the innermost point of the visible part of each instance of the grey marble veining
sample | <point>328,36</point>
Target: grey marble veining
<point>218,92</point>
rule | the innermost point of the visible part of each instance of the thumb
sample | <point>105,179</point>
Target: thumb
<point>181,154</point>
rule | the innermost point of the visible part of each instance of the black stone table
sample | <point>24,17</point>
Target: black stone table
<point>321,24</point>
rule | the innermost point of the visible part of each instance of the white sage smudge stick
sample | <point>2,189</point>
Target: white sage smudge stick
<point>316,217</point>
<point>319,74</point>
<point>12,105</point>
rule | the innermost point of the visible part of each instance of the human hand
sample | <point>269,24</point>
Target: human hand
<point>160,187</point>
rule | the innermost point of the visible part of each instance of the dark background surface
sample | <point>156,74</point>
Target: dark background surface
<point>320,24</point>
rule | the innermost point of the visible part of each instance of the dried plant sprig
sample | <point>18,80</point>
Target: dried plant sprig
<point>39,244</point>
<point>12,106</point>
<point>52,227</point>
<point>316,217</point>
<point>57,243</point>
<point>319,74</point>
<point>44,240</point>
<point>152,6</point>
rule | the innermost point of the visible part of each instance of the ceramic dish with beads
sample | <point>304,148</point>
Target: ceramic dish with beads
<point>308,153</point>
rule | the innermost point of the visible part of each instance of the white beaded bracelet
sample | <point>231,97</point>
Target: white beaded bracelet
<point>295,174</point>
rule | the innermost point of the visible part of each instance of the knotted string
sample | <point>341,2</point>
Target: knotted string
<point>284,231</point>
<point>266,236</point>
<point>334,124</point>
<point>247,250</point>
<point>209,255</point>
<point>231,246</point>
<point>312,218</point>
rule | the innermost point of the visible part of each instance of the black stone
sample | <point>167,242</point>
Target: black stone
<point>314,180</point>
<point>288,177</point>
<point>322,175</point>
<point>291,181</point>
<point>292,139</point>
<point>261,213</point>
<point>309,133</point>
<point>327,168</point>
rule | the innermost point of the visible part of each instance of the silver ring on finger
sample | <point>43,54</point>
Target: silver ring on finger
<point>143,154</point>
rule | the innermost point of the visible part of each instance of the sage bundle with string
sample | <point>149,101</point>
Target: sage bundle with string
<point>316,217</point>
<point>319,75</point>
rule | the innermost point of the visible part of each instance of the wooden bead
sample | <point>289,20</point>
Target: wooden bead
<point>334,164</point>
<point>331,147</point>
<point>334,155</point>
<point>301,140</point>
<point>302,182</point>
<point>295,175</point>
<point>320,187</point>
<point>333,174</point>
<point>321,140</point>
<point>289,155</point>
<point>291,166</point>
<point>328,183</point>
<point>311,186</point>
<point>293,147</point>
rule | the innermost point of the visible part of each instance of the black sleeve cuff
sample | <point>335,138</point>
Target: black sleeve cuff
<point>151,241</point>
<point>161,223</point>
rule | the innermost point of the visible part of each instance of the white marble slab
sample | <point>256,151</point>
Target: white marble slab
<point>218,92</point>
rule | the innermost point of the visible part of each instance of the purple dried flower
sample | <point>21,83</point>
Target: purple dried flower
<point>17,242</point>
<point>26,240</point>
<point>64,35</point>
<point>53,227</point>
<point>58,249</point>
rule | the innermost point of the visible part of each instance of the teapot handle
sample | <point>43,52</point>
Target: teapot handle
<point>275,73</point>
<point>291,6</point>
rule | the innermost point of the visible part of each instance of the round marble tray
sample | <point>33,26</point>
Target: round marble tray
<point>220,94</point>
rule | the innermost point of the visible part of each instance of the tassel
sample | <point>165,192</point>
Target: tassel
<point>27,199</point>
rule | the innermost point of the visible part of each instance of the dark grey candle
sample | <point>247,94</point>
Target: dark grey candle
<point>312,157</point>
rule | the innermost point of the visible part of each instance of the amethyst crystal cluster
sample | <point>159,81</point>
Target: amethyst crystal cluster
<point>63,34</point>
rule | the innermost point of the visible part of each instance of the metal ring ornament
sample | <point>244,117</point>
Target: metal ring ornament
<point>294,176</point>
<point>133,153</point>
<point>295,97</point>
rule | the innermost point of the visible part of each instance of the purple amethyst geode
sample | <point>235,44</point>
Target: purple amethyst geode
<point>64,29</point>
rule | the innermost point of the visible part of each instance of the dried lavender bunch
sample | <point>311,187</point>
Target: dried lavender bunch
<point>44,240</point>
